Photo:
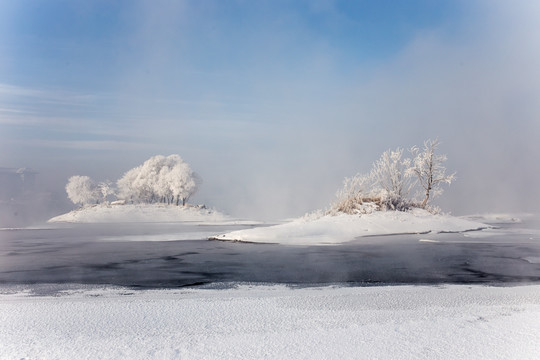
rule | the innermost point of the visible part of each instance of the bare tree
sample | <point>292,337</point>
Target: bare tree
<point>429,170</point>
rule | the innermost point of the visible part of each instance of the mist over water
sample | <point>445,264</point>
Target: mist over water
<point>273,127</point>
<point>273,112</point>
<point>136,255</point>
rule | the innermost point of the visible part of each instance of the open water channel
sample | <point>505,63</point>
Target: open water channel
<point>176,255</point>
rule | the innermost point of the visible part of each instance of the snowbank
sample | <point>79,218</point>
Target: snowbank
<point>274,322</point>
<point>342,228</point>
<point>143,213</point>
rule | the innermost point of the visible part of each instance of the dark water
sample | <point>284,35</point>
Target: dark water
<point>131,255</point>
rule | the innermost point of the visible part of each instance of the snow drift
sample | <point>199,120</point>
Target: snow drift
<point>341,228</point>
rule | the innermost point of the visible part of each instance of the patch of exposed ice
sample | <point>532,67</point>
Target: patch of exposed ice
<point>532,259</point>
<point>497,218</point>
<point>186,235</point>
<point>483,234</point>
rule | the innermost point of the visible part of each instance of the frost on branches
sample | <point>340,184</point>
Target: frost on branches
<point>429,170</point>
<point>82,190</point>
<point>391,181</point>
<point>160,179</point>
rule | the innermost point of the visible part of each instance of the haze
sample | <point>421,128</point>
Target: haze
<point>273,103</point>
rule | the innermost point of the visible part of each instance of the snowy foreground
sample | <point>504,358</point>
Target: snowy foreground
<point>320,230</point>
<point>144,213</point>
<point>253,322</point>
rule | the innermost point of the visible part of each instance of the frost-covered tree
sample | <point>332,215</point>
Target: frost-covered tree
<point>356,196</point>
<point>389,183</point>
<point>385,187</point>
<point>428,168</point>
<point>126,185</point>
<point>391,175</point>
<point>82,190</point>
<point>139,183</point>
<point>159,179</point>
<point>177,179</point>
<point>106,190</point>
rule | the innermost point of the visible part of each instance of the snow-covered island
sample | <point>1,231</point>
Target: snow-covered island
<point>127,213</point>
<point>328,229</point>
<point>156,191</point>
<point>377,203</point>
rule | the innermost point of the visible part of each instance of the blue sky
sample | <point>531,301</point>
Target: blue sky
<point>78,40</point>
<point>273,102</point>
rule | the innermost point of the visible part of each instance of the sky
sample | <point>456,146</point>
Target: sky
<point>273,103</point>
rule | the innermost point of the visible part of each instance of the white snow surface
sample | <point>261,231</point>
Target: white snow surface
<point>273,322</point>
<point>106,213</point>
<point>342,228</point>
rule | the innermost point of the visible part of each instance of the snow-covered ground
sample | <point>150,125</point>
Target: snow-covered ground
<point>320,230</point>
<point>274,322</point>
<point>145,213</point>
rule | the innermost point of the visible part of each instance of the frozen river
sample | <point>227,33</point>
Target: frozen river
<point>176,255</point>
